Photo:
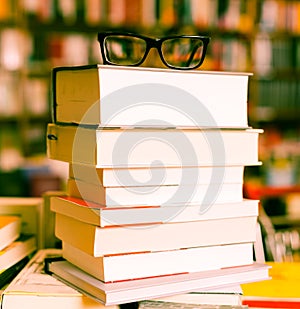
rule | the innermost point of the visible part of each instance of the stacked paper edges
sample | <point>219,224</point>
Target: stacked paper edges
<point>154,189</point>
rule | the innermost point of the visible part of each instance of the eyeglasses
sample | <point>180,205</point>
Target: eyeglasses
<point>183,52</point>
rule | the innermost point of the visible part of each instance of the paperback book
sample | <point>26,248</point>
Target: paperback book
<point>98,241</point>
<point>102,216</point>
<point>118,267</point>
<point>156,195</point>
<point>154,176</point>
<point>155,287</point>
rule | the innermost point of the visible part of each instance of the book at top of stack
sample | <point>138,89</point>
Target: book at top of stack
<point>154,202</point>
<point>125,96</point>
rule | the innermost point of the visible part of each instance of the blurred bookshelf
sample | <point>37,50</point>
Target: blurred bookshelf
<point>259,36</point>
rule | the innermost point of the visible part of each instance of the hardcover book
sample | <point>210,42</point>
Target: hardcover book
<point>119,148</point>
<point>127,96</point>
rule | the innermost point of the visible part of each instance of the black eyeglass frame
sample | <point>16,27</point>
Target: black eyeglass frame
<point>152,43</point>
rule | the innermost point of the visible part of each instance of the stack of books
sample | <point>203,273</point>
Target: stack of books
<point>154,201</point>
<point>15,247</point>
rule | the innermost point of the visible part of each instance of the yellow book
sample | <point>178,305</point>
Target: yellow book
<point>283,289</point>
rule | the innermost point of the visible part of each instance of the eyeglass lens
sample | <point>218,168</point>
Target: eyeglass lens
<point>124,50</point>
<point>182,52</point>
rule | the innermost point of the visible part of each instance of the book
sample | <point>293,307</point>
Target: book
<point>118,267</point>
<point>127,96</point>
<point>98,241</point>
<point>150,304</point>
<point>168,305</point>
<point>156,195</point>
<point>280,292</point>
<point>30,210</point>
<point>115,177</point>
<point>7,275</point>
<point>134,290</point>
<point>33,288</point>
<point>223,296</point>
<point>10,229</point>
<point>17,250</point>
<point>102,216</point>
<point>120,148</point>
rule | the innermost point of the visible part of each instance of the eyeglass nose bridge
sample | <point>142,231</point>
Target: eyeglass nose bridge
<point>154,44</point>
